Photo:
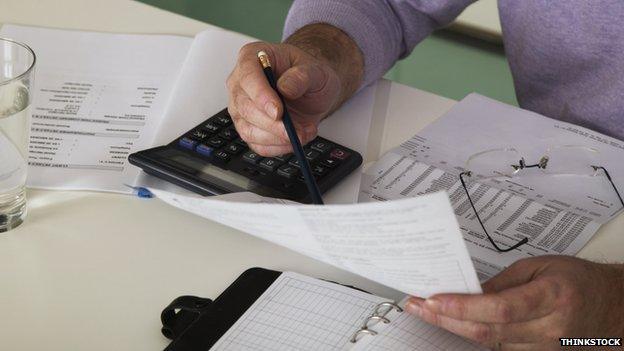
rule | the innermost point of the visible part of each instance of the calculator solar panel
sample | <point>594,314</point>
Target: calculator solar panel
<point>212,159</point>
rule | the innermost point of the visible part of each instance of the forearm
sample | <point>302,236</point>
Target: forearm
<point>384,30</point>
<point>334,47</point>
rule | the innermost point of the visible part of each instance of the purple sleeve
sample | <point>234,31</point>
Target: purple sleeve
<point>385,30</point>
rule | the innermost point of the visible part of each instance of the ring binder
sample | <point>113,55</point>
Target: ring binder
<point>379,315</point>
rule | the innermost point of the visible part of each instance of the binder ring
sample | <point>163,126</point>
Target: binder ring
<point>375,318</point>
<point>389,306</point>
<point>379,315</point>
<point>354,338</point>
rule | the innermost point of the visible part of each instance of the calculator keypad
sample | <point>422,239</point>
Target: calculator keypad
<point>218,141</point>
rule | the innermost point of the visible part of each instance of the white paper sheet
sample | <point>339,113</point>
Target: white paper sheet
<point>98,97</point>
<point>511,209</point>
<point>412,245</point>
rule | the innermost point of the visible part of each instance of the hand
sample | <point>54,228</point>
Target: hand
<point>533,303</point>
<point>312,84</point>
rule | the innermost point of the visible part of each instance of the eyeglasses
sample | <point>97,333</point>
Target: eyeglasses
<point>507,162</point>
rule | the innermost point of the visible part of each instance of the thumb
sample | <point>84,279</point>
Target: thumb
<point>300,80</point>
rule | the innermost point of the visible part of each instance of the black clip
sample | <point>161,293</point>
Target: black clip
<point>181,313</point>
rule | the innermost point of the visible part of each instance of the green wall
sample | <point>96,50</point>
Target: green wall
<point>447,63</point>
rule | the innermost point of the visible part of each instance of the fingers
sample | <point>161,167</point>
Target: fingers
<point>254,135</point>
<point>311,89</point>
<point>254,106</point>
<point>271,150</point>
<point>300,80</point>
<point>489,334</point>
<point>250,113</point>
<point>522,303</point>
<point>268,143</point>
<point>250,79</point>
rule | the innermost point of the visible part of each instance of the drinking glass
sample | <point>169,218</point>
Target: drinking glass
<point>17,62</point>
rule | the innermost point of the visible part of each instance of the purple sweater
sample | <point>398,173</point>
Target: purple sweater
<point>566,56</point>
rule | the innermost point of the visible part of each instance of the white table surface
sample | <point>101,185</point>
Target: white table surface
<point>92,271</point>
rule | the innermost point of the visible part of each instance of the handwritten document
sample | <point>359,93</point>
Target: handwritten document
<point>413,245</point>
<point>558,214</point>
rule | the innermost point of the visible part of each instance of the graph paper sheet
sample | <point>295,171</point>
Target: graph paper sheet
<point>405,332</point>
<point>300,313</point>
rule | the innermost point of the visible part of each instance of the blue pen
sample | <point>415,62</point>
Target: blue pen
<point>140,191</point>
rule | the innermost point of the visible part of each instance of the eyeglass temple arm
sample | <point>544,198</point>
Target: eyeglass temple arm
<point>610,181</point>
<point>517,245</point>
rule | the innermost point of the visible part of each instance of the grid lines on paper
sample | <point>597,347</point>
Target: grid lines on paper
<point>409,333</point>
<point>300,314</point>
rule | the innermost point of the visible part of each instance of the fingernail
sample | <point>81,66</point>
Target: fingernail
<point>271,109</point>
<point>433,305</point>
<point>412,307</point>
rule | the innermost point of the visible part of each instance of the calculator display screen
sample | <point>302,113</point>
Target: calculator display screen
<point>210,170</point>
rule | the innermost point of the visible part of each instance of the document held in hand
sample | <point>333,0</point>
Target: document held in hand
<point>411,245</point>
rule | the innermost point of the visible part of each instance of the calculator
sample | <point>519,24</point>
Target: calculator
<point>211,159</point>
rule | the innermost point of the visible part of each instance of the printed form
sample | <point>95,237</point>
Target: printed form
<point>557,213</point>
<point>412,245</point>
<point>99,97</point>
